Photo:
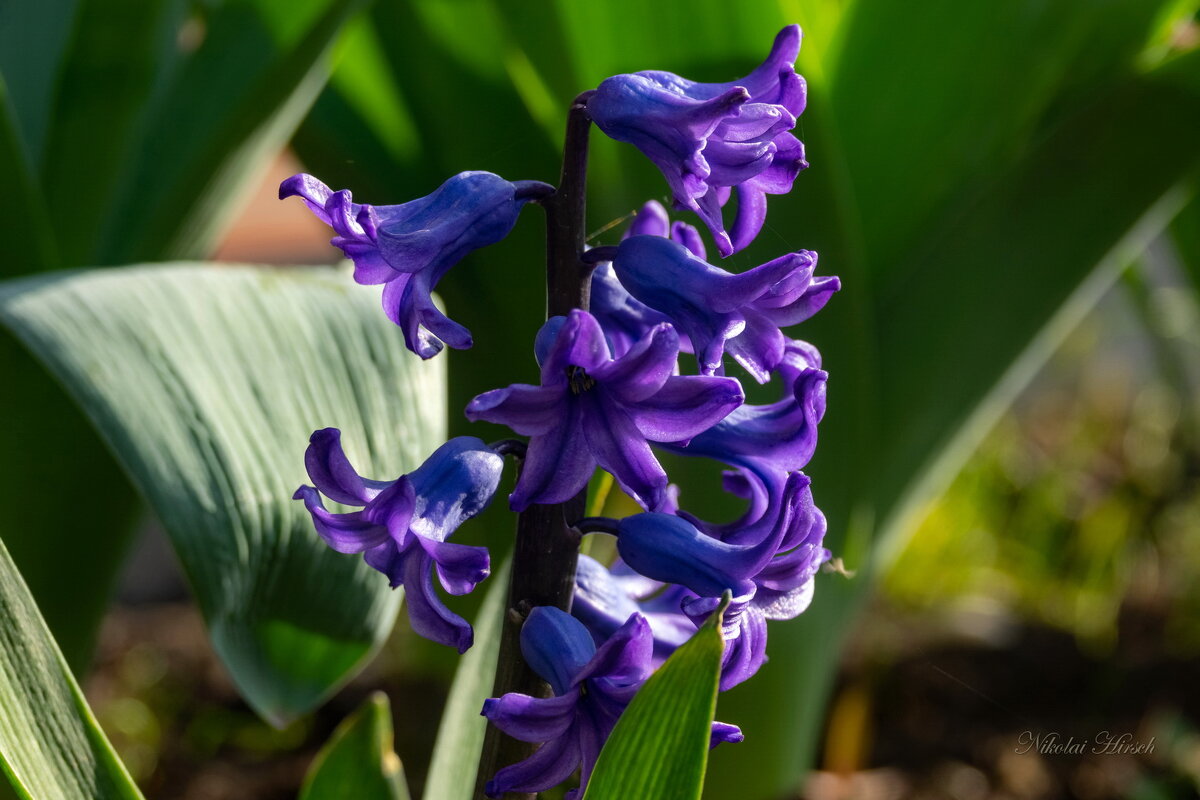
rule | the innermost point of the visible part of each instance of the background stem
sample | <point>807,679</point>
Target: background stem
<point>546,549</point>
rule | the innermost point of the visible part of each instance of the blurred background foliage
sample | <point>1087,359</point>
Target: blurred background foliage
<point>982,175</point>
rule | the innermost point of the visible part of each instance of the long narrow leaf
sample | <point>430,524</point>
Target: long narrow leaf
<point>659,749</point>
<point>985,290</point>
<point>102,92</point>
<point>900,80</point>
<point>233,103</point>
<point>452,769</point>
<point>206,383</point>
<point>24,220</point>
<point>1060,222</point>
<point>50,744</point>
<point>358,762</point>
<point>33,39</point>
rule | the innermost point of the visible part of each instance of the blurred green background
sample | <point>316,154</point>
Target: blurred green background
<point>1005,188</point>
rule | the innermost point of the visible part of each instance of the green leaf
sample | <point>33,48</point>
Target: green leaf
<point>992,287</point>
<point>24,221</point>
<point>33,38</point>
<point>206,382</point>
<point>231,105</point>
<point>659,748</point>
<point>127,129</point>
<point>52,425</point>
<point>50,744</point>
<point>1186,233</point>
<point>1060,223</point>
<point>453,767</point>
<point>116,44</point>
<point>901,70</point>
<point>358,762</point>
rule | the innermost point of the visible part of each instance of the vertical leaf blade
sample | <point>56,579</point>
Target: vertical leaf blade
<point>50,744</point>
<point>659,748</point>
<point>358,762</point>
<point>452,770</point>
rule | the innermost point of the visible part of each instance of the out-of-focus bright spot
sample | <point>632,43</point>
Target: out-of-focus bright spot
<point>274,231</point>
<point>1177,308</point>
<point>143,667</point>
<point>132,718</point>
<point>848,740</point>
<point>875,784</point>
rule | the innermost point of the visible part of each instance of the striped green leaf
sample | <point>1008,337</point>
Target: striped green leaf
<point>50,744</point>
<point>206,382</point>
<point>659,749</point>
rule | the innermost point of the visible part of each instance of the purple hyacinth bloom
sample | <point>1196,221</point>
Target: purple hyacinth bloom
<point>720,311</point>
<point>409,247</point>
<point>403,525</point>
<point>782,435</point>
<point>606,597</point>
<point>592,409</point>
<point>592,686</point>
<point>708,137</point>
<point>770,576</point>
<point>624,319</point>
<point>652,220</point>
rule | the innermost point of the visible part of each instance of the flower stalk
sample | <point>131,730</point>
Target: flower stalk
<point>547,547</point>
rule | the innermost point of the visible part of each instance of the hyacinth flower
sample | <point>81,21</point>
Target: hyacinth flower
<point>610,394</point>
<point>624,319</point>
<point>605,597</point>
<point>720,311</point>
<point>780,436</point>
<point>771,578</point>
<point>652,220</point>
<point>403,525</point>
<point>711,138</point>
<point>592,409</point>
<point>409,247</point>
<point>591,686</point>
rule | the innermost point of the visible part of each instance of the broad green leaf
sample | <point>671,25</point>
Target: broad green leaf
<point>659,748</point>
<point>49,426</point>
<point>452,769</point>
<point>358,762</point>
<point>206,382</point>
<point>50,744</point>
<point>1061,221</point>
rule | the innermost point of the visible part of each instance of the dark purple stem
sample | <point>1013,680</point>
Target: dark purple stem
<point>547,547</point>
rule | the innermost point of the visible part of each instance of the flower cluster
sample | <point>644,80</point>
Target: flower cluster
<point>711,139</point>
<point>639,373</point>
